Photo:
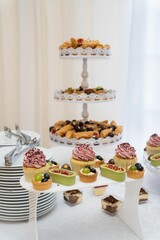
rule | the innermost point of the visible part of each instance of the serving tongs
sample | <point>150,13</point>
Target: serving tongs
<point>26,137</point>
<point>8,157</point>
<point>13,155</point>
<point>19,134</point>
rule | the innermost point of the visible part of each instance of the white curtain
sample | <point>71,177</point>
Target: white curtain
<point>30,69</point>
<point>142,113</point>
<point>30,33</point>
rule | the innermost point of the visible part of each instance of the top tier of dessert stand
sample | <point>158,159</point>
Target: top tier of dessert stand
<point>84,99</point>
<point>14,199</point>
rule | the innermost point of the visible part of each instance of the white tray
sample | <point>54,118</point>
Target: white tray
<point>78,185</point>
<point>93,142</point>
<point>82,98</point>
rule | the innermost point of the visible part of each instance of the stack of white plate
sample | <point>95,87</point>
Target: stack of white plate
<point>14,200</point>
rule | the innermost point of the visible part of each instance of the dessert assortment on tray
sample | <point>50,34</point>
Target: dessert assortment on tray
<point>92,132</point>
<point>82,167</point>
<point>85,95</point>
<point>83,47</point>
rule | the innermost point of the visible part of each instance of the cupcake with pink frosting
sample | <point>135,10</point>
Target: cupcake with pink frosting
<point>125,155</point>
<point>34,162</point>
<point>82,155</point>
<point>153,144</point>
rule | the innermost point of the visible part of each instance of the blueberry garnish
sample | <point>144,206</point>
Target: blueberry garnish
<point>99,157</point>
<point>46,175</point>
<point>44,179</point>
<point>139,166</point>
<point>93,170</point>
<point>53,162</point>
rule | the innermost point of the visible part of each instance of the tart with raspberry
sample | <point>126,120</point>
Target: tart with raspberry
<point>88,174</point>
<point>42,181</point>
<point>135,171</point>
<point>63,176</point>
<point>113,172</point>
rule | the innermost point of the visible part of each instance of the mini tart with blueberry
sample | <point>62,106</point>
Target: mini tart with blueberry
<point>88,174</point>
<point>52,164</point>
<point>99,161</point>
<point>135,171</point>
<point>42,182</point>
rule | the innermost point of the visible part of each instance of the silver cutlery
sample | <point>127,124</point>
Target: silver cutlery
<point>8,157</point>
<point>9,133</point>
<point>26,137</point>
<point>12,156</point>
<point>19,134</point>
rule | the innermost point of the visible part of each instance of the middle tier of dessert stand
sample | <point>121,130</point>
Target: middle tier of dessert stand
<point>14,199</point>
<point>128,211</point>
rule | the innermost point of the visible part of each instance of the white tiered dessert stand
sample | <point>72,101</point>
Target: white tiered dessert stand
<point>129,209</point>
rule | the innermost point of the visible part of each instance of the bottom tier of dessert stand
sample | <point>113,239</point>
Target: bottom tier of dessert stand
<point>128,211</point>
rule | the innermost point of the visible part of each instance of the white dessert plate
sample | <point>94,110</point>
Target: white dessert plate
<point>24,218</point>
<point>12,141</point>
<point>19,162</point>
<point>15,210</point>
<point>23,212</point>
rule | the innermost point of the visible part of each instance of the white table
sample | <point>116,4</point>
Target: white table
<point>128,211</point>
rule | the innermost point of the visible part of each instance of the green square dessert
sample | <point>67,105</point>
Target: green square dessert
<point>113,172</point>
<point>63,176</point>
<point>155,160</point>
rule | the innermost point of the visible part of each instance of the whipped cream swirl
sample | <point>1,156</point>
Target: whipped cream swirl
<point>124,150</point>
<point>83,152</point>
<point>154,140</point>
<point>34,158</point>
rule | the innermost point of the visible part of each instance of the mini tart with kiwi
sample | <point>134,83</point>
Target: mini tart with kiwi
<point>135,171</point>
<point>99,161</point>
<point>88,174</point>
<point>52,164</point>
<point>42,181</point>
